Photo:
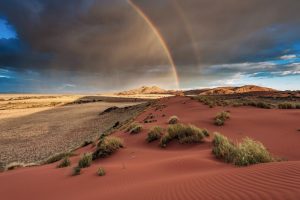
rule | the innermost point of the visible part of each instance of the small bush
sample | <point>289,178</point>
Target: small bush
<point>251,152</point>
<point>223,148</point>
<point>248,152</point>
<point>101,172</point>
<point>137,129</point>
<point>297,106</point>
<point>85,160</point>
<point>185,134</point>
<point>107,146</point>
<point>64,163</point>
<point>76,171</point>
<point>223,115</point>
<point>221,118</point>
<point>155,134</point>
<point>173,120</point>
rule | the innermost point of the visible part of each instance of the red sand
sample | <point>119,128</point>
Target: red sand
<point>145,171</point>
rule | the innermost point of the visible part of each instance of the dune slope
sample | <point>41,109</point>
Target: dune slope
<point>145,171</point>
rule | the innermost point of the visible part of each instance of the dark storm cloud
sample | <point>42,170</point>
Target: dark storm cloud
<point>105,42</point>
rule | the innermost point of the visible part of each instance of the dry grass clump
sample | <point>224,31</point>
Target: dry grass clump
<point>16,165</point>
<point>58,157</point>
<point>185,134</point>
<point>101,171</point>
<point>173,120</point>
<point>221,118</point>
<point>248,152</point>
<point>85,160</point>
<point>286,106</point>
<point>64,163</point>
<point>155,134</point>
<point>134,128</point>
<point>107,146</point>
<point>76,171</point>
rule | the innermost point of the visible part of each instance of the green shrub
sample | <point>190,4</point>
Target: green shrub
<point>64,163</point>
<point>251,152</point>
<point>297,106</point>
<point>107,146</point>
<point>155,134</point>
<point>101,172</point>
<point>263,105</point>
<point>137,129</point>
<point>185,134</point>
<point>223,115</point>
<point>131,126</point>
<point>173,120</point>
<point>248,152</point>
<point>76,171</point>
<point>85,160</point>
<point>223,148</point>
<point>221,118</point>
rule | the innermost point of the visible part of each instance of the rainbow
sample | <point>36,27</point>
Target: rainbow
<point>188,27</point>
<point>159,37</point>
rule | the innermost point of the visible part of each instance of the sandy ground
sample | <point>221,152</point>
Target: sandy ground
<point>179,172</point>
<point>33,136</point>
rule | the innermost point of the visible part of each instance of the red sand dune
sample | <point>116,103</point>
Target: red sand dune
<point>185,172</point>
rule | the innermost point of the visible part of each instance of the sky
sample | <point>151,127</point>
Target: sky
<point>88,46</point>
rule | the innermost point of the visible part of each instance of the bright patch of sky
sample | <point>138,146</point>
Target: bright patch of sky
<point>6,30</point>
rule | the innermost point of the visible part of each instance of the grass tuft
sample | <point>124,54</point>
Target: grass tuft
<point>173,120</point>
<point>76,171</point>
<point>248,152</point>
<point>85,160</point>
<point>221,118</point>
<point>134,128</point>
<point>155,134</point>
<point>101,171</point>
<point>64,163</point>
<point>185,134</point>
<point>58,157</point>
<point>107,146</point>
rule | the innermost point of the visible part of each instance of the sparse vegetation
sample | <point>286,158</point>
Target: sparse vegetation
<point>246,153</point>
<point>58,157</point>
<point>221,118</point>
<point>135,128</point>
<point>258,100</point>
<point>64,163</point>
<point>76,171</point>
<point>85,160</point>
<point>101,171</point>
<point>14,165</point>
<point>107,146</point>
<point>185,134</point>
<point>286,106</point>
<point>155,134</point>
<point>173,120</point>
